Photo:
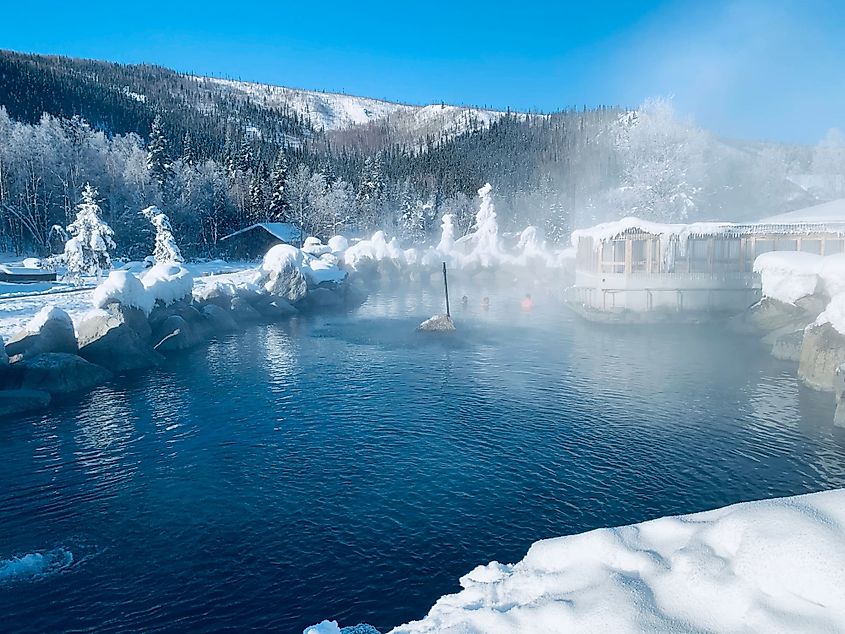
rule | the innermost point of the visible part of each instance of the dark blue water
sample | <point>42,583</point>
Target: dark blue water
<point>347,467</point>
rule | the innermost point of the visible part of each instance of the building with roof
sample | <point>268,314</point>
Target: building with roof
<point>648,269</point>
<point>252,242</point>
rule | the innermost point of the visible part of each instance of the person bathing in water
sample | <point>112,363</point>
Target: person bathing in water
<point>527,302</point>
<point>464,301</point>
<point>485,303</point>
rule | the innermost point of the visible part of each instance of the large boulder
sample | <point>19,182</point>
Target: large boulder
<point>51,330</point>
<point>19,401</point>
<point>822,351</point>
<point>273,307</point>
<point>243,311</point>
<point>219,319</point>
<point>280,273</point>
<point>770,314</point>
<point>173,333</point>
<point>118,338</point>
<point>58,373</point>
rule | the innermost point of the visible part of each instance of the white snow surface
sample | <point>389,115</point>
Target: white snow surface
<point>768,566</point>
<point>788,275</point>
<point>324,110</point>
<point>167,282</point>
<point>834,314</point>
<point>125,288</point>
<point>829,212</point>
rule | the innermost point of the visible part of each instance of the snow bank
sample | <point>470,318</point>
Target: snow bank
<point>168,283</point>
<point>338,244</point>
<point>124,288</point>
<point>788,275</point>
<point>769,566</point>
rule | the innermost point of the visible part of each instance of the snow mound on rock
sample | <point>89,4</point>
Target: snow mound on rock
<point>123,288</point>
<point>48,313</point>
<point>787,276</point>
<point>168,283</point>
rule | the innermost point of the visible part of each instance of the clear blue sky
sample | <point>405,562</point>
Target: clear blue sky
<point>749,68</point>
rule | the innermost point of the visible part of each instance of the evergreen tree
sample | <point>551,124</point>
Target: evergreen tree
<point>87,252</point>
<point>278,206</point>
<point>158,162</point>
<point>165,250</point>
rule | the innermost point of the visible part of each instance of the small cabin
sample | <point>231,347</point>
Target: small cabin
<point>637,266</point>
<point>252,242</point>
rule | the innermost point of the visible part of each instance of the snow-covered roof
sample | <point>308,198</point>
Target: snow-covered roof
<point>771,226</point>
<point>284,231</point>
<point>829,212</point>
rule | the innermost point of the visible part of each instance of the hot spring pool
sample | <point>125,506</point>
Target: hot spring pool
<point>347,467</point>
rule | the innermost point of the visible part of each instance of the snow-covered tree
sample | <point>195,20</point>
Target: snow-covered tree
<point>158,162</point>
<point>278,205</point>
<point>165,249</point>
<point>87,252</point>
<point>662,164</point>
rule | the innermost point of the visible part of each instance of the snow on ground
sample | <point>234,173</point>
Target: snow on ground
<point>768,566</point>
<point>324,110</point>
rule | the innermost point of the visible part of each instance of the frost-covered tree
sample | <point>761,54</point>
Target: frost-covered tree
<point>87,252</point>
<point>165,249</point>
<point>662,164</point>
<point>158,162</point>
<point>278,206</point>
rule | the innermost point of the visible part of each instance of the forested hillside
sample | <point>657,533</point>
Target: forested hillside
<point>217,155</point>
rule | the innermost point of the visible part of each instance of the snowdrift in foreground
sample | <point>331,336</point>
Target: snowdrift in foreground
<point>769,566</point>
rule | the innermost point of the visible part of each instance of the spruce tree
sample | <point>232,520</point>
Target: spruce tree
<point>277,208</point>
<point>158,162</point>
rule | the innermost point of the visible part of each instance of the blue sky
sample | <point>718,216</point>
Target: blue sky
<point>747,68</point>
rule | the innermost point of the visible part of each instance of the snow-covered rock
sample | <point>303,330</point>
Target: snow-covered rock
<point>769,566</point>
<point>280,273</point>
<point>437,323</point>
<point>124,288</point>
<point>313,246</point>
<point>788,275</point>
<point>168,283</point>
<point>117,338</point>
<point>219,318</point>
<point>338,244</point>
<point>50,330</point>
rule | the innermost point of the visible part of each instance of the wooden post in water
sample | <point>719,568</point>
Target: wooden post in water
<point>446,287</point>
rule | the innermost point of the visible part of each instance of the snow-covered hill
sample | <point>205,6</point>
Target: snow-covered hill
<point>332,111</point>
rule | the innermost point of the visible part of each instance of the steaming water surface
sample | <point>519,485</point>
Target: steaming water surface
<point>348,467</point>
